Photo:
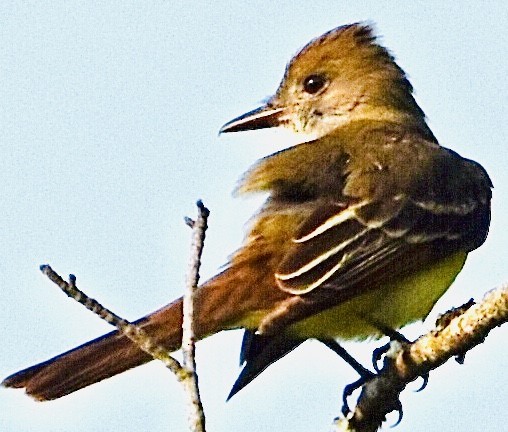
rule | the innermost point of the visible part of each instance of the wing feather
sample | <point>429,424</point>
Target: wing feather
<point>343,243</point>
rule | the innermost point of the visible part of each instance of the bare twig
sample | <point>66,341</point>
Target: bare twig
<point>455,334</point>
<point>135,333</point>
<point>185,374</point>
<point>196,413</point>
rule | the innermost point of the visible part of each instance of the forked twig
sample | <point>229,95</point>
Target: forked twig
<point>186,373</point>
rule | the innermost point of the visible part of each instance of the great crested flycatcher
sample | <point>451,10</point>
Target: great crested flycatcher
<point>364,228</point>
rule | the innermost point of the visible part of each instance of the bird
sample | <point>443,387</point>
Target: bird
<point>366,223</point>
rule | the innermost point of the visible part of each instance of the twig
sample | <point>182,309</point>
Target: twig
<point>135,333</point>
<point>185,374</point>
<point>196,413</point>
<point>455,334</point>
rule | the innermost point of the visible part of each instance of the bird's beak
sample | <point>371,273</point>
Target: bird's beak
<point>266,116</point>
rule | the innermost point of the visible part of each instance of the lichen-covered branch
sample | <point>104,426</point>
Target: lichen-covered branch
<point>456,332</point>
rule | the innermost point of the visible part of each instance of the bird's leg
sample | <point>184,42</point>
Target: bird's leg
<point>348,358</point>
<point>365,374</point>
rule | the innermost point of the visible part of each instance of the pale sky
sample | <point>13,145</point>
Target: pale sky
<point>109,113</point>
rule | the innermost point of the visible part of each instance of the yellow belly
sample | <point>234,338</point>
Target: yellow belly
<point>393,306</point>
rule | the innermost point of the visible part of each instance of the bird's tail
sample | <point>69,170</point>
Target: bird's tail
<point>221,303</point>
<point>98,359</point>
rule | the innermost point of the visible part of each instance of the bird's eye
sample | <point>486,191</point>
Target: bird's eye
<point>313,83</point>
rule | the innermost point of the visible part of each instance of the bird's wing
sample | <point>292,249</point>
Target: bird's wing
<point>340,246</point>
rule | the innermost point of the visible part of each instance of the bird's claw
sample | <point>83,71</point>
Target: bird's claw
<point>400,411</point>
<point>377,355</point>
<point>351,388</point>
<point>425,379</point>
<point>460,358</point>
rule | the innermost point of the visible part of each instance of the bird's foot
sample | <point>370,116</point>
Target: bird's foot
<point>351,388</point>
<point>381,351</point>
<point>365,374</point>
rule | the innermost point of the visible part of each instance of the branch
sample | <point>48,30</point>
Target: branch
<point>185,374</point>
<point>135,333</point>
<point>456,332</point>
<point>195,407</point>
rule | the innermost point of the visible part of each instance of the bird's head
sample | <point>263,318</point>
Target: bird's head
<point>339,77</point>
